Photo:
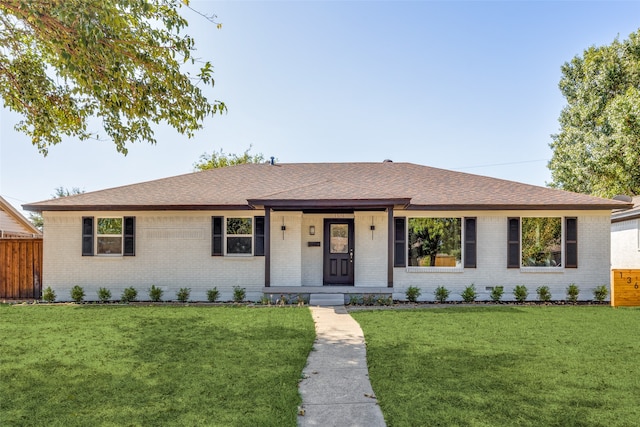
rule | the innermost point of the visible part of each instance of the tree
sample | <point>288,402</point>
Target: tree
<point>63,62</point>
<point>36,218</point>
<point>218,159</point>
<point>598,148</point>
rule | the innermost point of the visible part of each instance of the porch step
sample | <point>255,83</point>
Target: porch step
<point>325,300</point>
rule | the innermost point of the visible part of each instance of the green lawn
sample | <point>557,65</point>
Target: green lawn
<point>505,366</point>
<point>164,365</point>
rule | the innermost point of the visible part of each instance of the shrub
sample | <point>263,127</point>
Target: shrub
<point>572,293</point>
<point>155,293</point>
<point>264,300</point>
<point>368,299</point>
<point>469,294</point>
<point>77,293</point>
<point>129,295</point>
<point>441,294</point>
<point>412,293</point>
<point>104,294</point>
<point>214,294</point>
<point>183,294</point>
<point>239,294</point>
<point>48,295</point>
<point>382,300</point>
<point>600,293</point>
<point>544,294</point>
<point>496,293</point>
<point>520,293</point>
<point>354,299</point>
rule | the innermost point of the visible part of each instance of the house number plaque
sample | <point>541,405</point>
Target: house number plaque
<point>625,288</point>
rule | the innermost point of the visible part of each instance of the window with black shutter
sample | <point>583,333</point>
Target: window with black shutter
<point>216,235</point>
<point>258,235</point>
<point>129,236</point>
<point>87,236</point>
<point>470,243</point>
<point>513,243</point>
<point>571,243</point>
<point>400,246</point>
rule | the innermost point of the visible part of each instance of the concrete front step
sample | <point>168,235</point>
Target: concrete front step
<point>326,300</point>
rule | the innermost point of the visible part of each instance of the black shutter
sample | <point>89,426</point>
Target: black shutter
<point>216,235</point>
<point>513,243</point>
<point>129,236</point>
<point>400,245</point>
<point>571,243</point>
<point>258,235</point>
<point>87,236</point>
<point>469,243</point>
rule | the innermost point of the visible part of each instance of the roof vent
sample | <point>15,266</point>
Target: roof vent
<point>273,161</point>
<point>623,198</point>
<point>387,161</point>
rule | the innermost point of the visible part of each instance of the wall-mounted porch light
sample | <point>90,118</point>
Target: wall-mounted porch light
<point>312,230</point>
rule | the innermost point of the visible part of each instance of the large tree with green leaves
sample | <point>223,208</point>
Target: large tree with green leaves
<point>598,148</point>
<point>63,62</point>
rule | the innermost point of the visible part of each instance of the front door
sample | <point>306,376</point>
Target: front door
<point>338,252</point>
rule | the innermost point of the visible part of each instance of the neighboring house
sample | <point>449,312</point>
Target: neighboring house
<point>14,225</point>
<point>625,237</point>
<point>20,255</point>
<point>367,228</point>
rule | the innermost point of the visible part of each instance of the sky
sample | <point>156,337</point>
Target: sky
<point>467,86</point>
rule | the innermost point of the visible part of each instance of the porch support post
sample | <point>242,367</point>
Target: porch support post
<point>390,246</point>
<point>267,246</point>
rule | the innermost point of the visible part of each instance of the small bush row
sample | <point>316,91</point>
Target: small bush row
<point>520,293</point>
<point>285,299</point>
<point>130,294</point>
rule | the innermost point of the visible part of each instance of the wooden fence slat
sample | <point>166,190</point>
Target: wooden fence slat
<point>20,268</point>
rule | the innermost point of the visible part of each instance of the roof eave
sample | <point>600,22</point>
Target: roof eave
<point>519,207</point>
<point>86,208</point>
<point>328,203</point>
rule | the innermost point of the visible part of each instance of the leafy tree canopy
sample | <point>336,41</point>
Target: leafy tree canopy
<point>218,159</point>
<point>598,148</point>
<point>65,61</point>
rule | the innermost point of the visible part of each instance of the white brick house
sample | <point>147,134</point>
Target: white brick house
<point>326,228</point>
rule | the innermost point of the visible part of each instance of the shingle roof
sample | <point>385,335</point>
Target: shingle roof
<point>324,185</point>
<point>628,214</point>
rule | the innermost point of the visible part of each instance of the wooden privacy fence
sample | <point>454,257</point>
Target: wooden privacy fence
<point>20,268</point>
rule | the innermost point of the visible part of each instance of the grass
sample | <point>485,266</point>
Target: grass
<point>135,366</point>
<point>505,366</point>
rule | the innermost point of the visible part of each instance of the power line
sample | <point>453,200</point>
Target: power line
<point>502,164</point>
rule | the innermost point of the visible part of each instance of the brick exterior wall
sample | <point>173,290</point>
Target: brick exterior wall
<point>173,250</point>
<point>593,260</point>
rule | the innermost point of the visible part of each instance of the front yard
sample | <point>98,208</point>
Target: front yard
<point>167,365</point>
<point>505,365</point>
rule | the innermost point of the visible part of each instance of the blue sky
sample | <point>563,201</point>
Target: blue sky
<point>468,86</point>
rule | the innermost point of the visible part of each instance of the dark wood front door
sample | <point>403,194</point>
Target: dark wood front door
<point>338,252</point>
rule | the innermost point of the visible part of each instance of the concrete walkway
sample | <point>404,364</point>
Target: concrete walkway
<point>336,390</point>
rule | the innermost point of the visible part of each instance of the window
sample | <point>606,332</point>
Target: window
<point>542,242</point>
<point>109,236</point>
<point>243,236</point>
<point>239,236</point>
<point>435,242</point>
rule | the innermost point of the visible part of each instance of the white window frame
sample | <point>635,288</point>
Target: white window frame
<point>434,269</point>
<point>542,268</point>
<point>227,235</point>
<point>97,236</point>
